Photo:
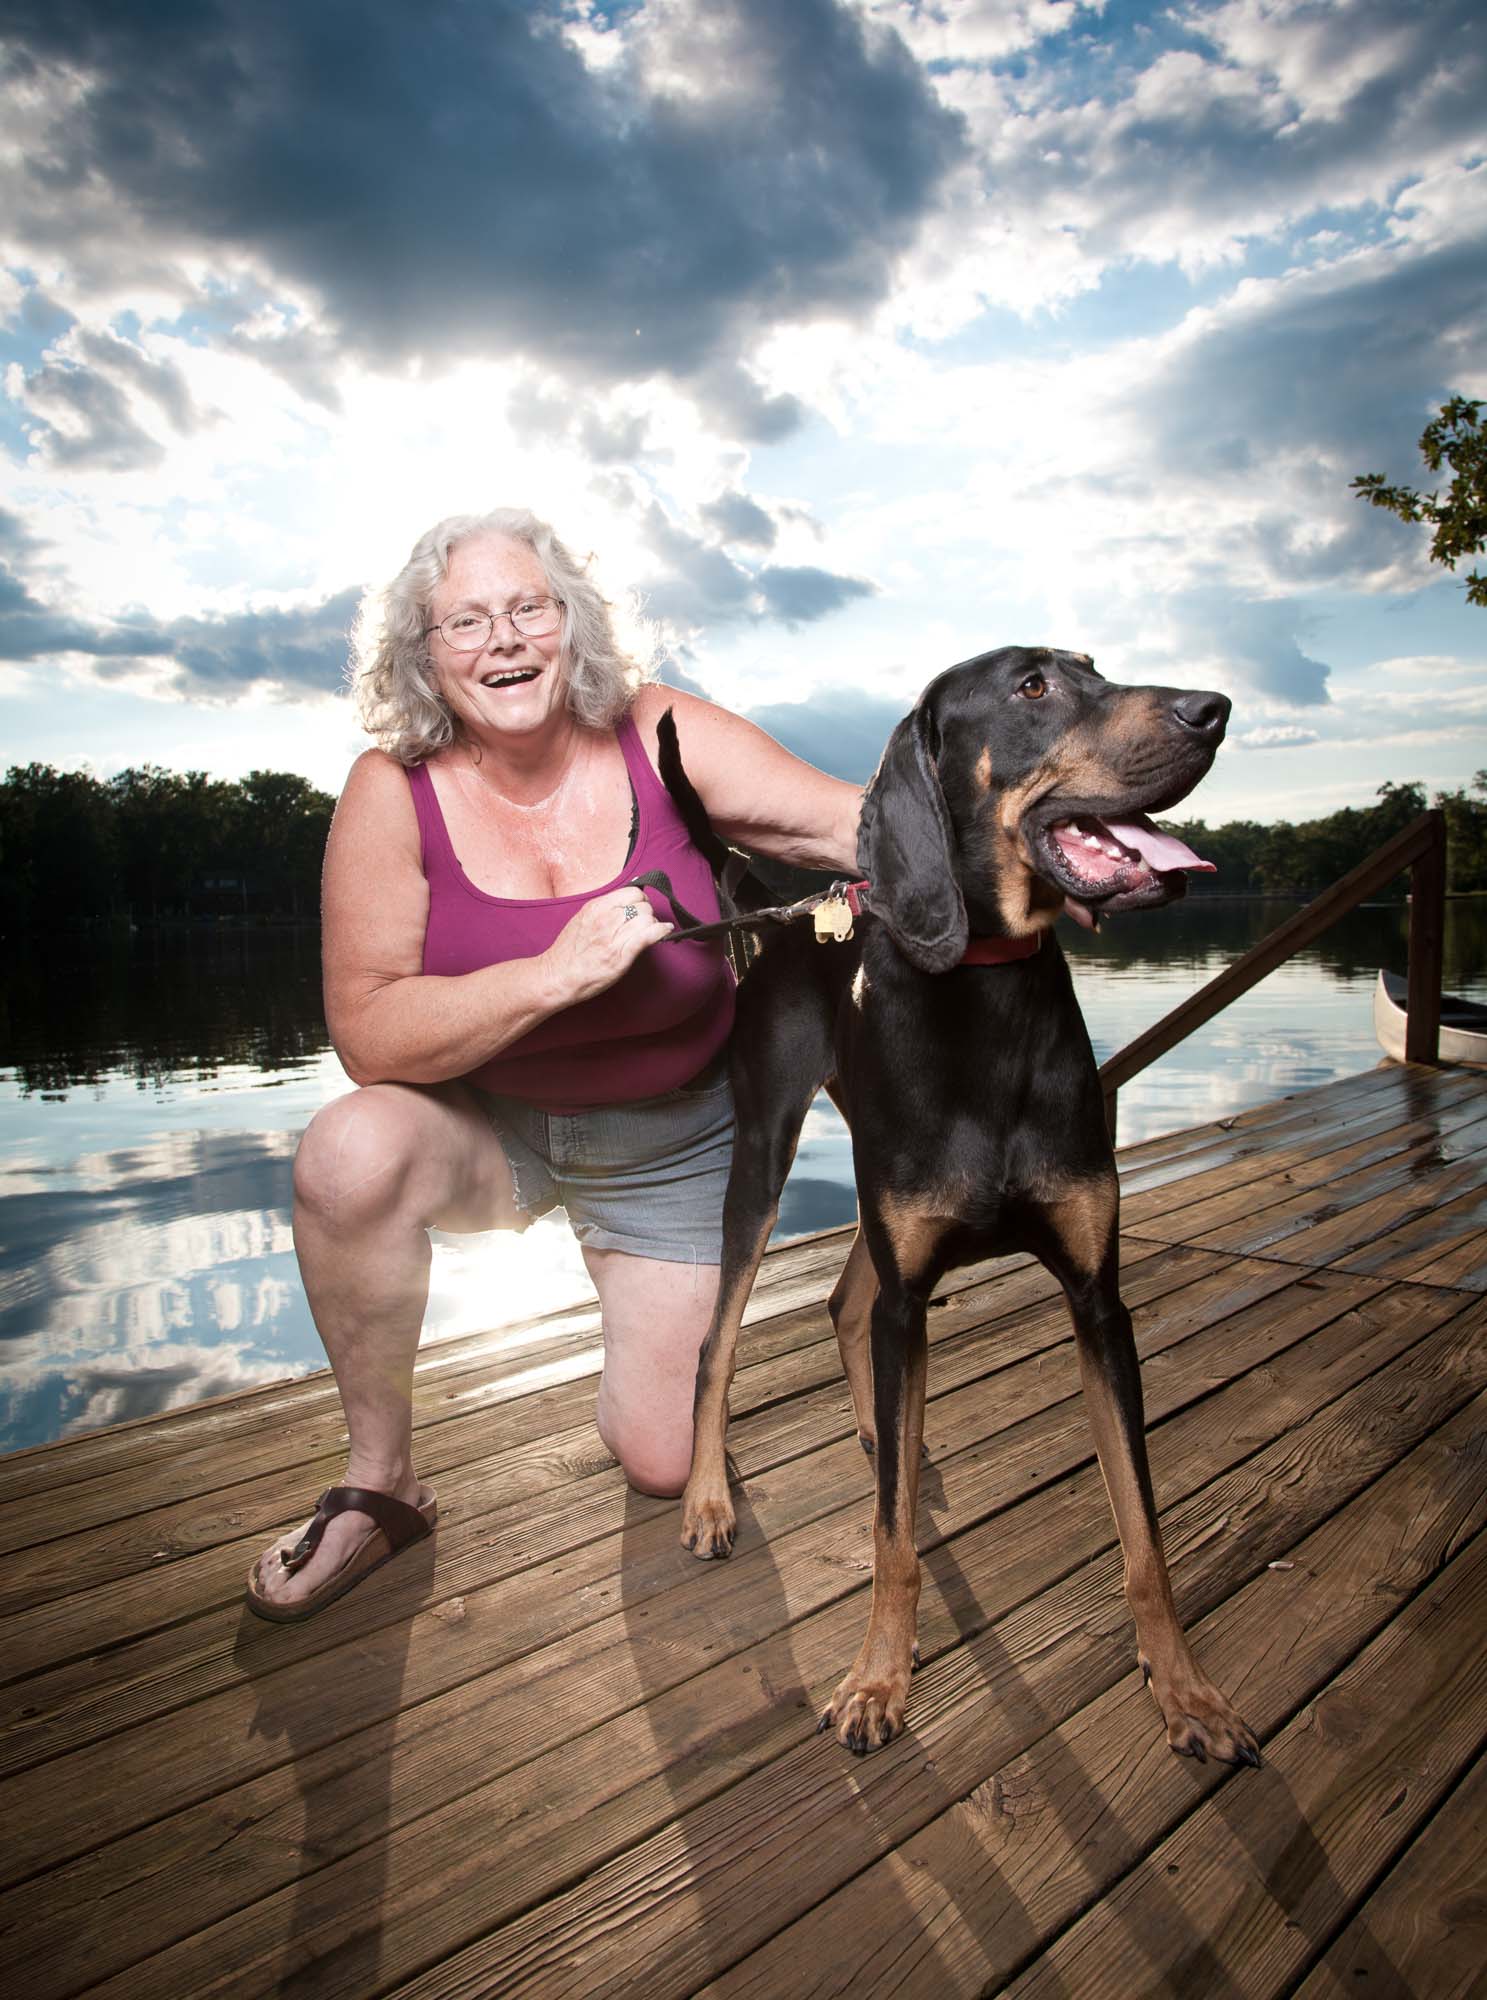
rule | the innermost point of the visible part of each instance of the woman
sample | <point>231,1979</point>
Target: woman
<point>520,1030</point>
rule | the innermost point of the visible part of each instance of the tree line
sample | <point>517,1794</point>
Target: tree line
<point>1303,858</point>
<point>153,846</point>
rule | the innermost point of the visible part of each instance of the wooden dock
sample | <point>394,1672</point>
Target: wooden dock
<point>550,1753</point>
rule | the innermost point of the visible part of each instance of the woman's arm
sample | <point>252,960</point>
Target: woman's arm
<point>389,1020</point>
<point>757,793</point>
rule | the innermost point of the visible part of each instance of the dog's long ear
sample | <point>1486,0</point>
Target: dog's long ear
<point>906,850</point>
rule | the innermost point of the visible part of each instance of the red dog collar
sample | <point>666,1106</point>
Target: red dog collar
<point>1000,950</point>
<point>979,950</point>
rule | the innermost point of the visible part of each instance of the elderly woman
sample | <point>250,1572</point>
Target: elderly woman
<point>521,1034</point>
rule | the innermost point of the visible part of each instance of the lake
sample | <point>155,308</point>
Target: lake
<point>153,1086</point>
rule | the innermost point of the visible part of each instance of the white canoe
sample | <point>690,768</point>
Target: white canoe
<point>1463,1022</point>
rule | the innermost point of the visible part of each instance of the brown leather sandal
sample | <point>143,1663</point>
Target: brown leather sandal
<point>396,1526</point>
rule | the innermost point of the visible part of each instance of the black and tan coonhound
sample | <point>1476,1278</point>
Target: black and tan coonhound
<point>949,1034</point>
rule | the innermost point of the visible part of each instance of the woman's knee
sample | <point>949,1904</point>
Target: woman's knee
<point>655,1315</point>
<point>356,1158</point>
<point>653,1461</point>
<point>660,1477</point>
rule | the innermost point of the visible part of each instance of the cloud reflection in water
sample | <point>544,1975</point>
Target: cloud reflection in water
<point>155,1275</point>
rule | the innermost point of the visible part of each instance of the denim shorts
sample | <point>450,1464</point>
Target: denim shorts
<point>647,1178</point>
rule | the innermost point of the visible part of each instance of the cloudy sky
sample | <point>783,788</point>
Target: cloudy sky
<point>857,337</point>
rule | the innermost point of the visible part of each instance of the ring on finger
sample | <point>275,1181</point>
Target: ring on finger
<point>630,911</point>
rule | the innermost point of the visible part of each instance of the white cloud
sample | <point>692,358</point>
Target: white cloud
<point>1261,116</point>
<point>1322,54</point>
<point>1162,482</point>
<point>1274,736</point>
<point>978,31</point>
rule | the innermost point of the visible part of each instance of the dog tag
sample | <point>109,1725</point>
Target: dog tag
<point>833,921</point>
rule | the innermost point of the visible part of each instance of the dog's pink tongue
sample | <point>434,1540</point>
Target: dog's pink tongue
<point>1160,851</point>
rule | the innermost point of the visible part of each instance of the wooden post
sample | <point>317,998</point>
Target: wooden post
<point>1427,946</point>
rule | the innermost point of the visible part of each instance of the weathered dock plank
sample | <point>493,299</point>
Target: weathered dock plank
<point>1037,1418</point>
<point>961,1907</point>
<point>1424,1929</point>
<point>669,1912</point>
<point>1241,1900</point>
<point>552,1753</point>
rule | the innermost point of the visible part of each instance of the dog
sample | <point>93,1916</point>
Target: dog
<point>949,1035</point>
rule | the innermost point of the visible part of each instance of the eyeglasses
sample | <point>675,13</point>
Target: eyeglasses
<point>468,631</point>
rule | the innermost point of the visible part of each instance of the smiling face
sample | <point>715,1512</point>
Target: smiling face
<point>512,685</point>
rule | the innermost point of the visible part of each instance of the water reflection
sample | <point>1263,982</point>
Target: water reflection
<point>145,1277</point>
<point>141,1277</point>
<point>155,1089</point>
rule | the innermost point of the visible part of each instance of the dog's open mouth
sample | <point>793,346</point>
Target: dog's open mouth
<point>1115,864</point>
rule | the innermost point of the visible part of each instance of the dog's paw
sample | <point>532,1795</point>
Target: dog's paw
<point>708,1525</point>
<point>1202,1723</point>
<point>867,1710</point>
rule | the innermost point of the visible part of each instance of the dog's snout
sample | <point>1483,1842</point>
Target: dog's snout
<point>1206,714</point>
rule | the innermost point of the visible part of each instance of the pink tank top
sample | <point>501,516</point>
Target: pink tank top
<point>651,1031</point>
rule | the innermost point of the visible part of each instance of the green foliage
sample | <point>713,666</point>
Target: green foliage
<point>166,822</point>
<point>284,824</point>
<point>1457,439</point>
<point>1466,834</point>
<point>1303,859</point>
<point>58,840</point>
<point>152,844</point>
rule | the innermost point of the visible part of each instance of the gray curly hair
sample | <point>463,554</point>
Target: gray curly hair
<point>393,680</point>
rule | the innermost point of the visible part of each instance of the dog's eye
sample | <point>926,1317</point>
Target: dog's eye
<point>1034,687</point>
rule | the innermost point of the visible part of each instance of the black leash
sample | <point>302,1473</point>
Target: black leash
<point>832,908</point>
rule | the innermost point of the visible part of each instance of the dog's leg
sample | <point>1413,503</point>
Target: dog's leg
<point>851,1309</point>
<point>1200,1721</point>
<point>761,1160</point>
<point>781,1052</point>
<point>868,1707</point>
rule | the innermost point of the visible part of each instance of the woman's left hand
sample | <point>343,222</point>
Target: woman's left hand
<point>599,944</point>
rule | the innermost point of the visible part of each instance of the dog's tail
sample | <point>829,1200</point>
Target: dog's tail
<point>739,888</point>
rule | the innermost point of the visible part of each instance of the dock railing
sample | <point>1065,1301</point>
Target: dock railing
<point>1420,847</point>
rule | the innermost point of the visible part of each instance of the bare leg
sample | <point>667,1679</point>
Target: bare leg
<point>376,1170</point>
<point>655,1316</point>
